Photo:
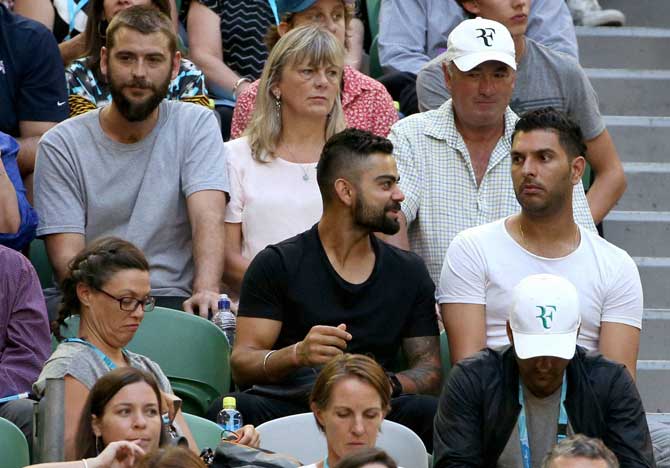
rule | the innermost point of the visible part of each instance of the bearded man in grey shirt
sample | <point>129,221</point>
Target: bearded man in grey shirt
<point>143,169</point>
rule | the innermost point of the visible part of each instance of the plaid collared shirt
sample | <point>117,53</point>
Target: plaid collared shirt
<point>441,193</point>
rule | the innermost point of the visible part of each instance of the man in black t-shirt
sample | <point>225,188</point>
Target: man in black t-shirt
<point>337,288</point>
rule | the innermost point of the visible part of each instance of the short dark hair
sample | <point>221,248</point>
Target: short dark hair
<point>582,446</point>
<point>101,393</point>
<point>145,20</point>
<point>94,266</point>
<point>342,155</point>
<point>368,455</point>
<point>570,135</point>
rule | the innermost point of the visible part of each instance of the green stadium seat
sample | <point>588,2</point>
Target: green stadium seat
<point>39,259</point>
<point>13,446</point>
<point>206,433</point>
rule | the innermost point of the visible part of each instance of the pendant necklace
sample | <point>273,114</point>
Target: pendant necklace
<point>305,170</point>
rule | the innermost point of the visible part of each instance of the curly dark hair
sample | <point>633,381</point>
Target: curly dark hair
<point>94,266</point>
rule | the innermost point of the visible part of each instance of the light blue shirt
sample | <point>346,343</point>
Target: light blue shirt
<point>412,32</point>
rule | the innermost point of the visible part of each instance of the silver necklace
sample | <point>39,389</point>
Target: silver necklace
<point>305,170</point>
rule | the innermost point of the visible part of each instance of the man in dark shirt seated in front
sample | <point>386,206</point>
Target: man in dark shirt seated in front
<point>507,407</point>
<point>337,288</point>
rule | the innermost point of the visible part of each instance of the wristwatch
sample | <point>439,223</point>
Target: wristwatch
<point>396,386</point>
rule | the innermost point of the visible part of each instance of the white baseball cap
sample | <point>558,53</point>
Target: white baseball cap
<point>479,40</point>
<point>545,317</point>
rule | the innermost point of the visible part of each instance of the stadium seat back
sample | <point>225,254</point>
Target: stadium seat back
<point>13,446</point>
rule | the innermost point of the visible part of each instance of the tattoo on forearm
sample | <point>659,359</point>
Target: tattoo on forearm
<point>425,370</point>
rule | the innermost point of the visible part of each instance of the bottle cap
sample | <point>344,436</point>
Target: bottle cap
<point>229,402</point>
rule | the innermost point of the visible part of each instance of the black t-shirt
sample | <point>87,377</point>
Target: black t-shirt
<point>32,77</point>
<point>293,282</point>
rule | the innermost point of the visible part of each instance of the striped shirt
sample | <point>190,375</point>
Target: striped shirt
<point>243,25</point>
<point>441,193</point>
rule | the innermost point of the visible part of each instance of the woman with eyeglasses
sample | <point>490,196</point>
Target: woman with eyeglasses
<point>108,286</point>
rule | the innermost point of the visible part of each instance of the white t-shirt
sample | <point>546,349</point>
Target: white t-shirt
<point>484,264</point>
<point>274,200</point>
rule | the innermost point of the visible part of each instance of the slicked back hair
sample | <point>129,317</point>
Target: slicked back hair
<point>343,155</point>
<point>569,133</point>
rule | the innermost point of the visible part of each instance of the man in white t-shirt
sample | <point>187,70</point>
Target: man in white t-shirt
<point>483,264</point>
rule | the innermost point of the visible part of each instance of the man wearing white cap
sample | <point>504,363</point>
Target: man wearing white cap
<point>545,77</point>
<point>454,161</point>
<point>507,407</point>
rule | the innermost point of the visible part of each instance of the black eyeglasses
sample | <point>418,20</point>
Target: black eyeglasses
<point>129,304</point>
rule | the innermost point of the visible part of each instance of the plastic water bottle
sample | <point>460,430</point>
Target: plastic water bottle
<point>229,419</point>
<point>225,319</point>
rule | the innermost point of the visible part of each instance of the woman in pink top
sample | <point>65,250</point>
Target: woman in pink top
<point>366,103</point>
<point>272,169</point>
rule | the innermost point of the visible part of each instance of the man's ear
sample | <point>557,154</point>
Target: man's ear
<point>578,165</point>
<point>345,191</point>
<point>103,61</point>
<point>447,75</point>
<point>471,6</point>
<point>176,64</point>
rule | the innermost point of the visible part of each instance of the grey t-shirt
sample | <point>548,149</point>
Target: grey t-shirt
<point>544,78</point>
<point>541,419</point>
<point>82,362</point>
<point>88,184</point>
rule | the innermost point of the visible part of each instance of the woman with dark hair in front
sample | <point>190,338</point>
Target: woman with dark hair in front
<point>365,102</point>
<point>108,285</point>
<point>88,88</point>
<point>367,458</point>
<point>120,421</point>
<point>350,398</point>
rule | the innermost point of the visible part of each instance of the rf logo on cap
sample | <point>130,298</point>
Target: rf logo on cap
<point>544,315</point>
<point>486,35</point>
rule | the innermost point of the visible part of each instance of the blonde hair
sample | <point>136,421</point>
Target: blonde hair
<point>347,366</point>
<point>309,44</point>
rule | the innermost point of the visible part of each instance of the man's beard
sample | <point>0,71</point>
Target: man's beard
<point>376,220</point>
<point>553,202</point>
<point>138,111</point>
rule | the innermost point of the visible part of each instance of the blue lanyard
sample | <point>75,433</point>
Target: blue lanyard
<point>275,11</point>
<point>325,462</point>
<point>562,428</point>
<point>73,10</point>
<point>102,355</point>
<point>18,396</point>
